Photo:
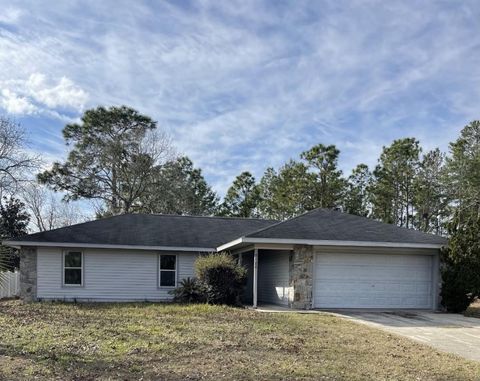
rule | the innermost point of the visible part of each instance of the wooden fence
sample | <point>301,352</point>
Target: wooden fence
<point>9,284</point>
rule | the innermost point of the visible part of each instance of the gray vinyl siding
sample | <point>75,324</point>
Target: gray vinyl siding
<point>109,275</point>
<point>273,276</point>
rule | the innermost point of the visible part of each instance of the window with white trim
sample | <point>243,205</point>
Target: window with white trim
<point>167,272</point>
<point>73,268</point>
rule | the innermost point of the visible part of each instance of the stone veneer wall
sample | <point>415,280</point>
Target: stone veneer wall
<point>301,277</point>
<point>28,274</point>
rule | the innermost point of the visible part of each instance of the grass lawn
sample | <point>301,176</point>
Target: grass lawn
<point>199,342</point>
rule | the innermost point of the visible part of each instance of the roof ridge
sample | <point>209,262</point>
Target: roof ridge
<point>96,220</point>
<point>194,216</point>
<point>378,222</point>
<point>354,216</point>
<point>281,222</point>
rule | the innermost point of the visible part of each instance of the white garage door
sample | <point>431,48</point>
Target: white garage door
<point>373,281</point>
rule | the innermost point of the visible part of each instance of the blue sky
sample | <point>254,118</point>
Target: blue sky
<point>249,84</point>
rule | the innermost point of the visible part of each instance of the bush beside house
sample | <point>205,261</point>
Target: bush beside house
<point>461,264</point>
<point>190,290</point>
<point>220,280</point>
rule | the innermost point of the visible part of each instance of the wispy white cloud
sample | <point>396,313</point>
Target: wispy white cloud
<point>62,94</point>
<point>10,15</point>
<point>16,104</point>
<point>250,84</point>
<point>37,94</point>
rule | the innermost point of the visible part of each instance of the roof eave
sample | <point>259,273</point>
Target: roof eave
<point>18,244</point>
<point>289,241</point>
<point>230,244</point>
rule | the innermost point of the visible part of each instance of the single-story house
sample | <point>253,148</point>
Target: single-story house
<point>320,259</point>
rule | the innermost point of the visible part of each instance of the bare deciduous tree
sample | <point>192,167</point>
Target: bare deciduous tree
<point>16,165</point>
<point>47,210</point>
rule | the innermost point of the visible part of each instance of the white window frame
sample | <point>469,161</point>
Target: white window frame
<point>65,252</point>
<point>160,271</point>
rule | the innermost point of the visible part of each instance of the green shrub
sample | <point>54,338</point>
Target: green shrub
<point>222,277</point>
<point>456,288</point>
<point>190,290</point>
<point>461,263</point>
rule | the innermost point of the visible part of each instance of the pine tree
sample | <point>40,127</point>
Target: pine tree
<point>242,197</point>
<point>393,182</point>
<point>357,198</point>
<point>329,184</point>
<point>13,223</point>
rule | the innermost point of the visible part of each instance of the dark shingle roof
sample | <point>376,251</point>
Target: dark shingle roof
<point>153,230</point>
<point>327,224</point>
<point>211,232</point>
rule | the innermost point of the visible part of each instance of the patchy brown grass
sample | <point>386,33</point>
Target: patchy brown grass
<point>169,342</point>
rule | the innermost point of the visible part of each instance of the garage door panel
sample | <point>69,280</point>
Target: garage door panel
<point>379,302</point>
<point>366,286</point>
<point>365,272</point>
<point>377,259</point>
<point>373,281</point>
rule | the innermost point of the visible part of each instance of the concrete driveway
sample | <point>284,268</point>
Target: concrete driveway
<point>446,332</point>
